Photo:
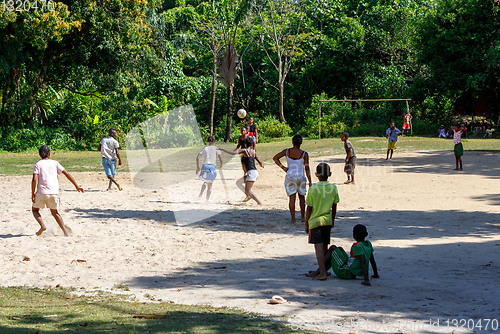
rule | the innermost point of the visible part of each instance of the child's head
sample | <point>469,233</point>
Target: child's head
<point>243,130</point>
<point>44,151</point>
<point>249,142</point>
<point>344,136</point>
<point>297,140</point>
<point>211,140</point>
<point>247,127</point>
<point>359,232</point>
<point>392,125</point>
<point>250,120</point>
<point>112,132</point>
<point>323,171</point>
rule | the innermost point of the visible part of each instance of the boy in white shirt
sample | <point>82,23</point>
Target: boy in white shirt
<point>109,151</point>
<point>208,172</point>
<point>46,184</point>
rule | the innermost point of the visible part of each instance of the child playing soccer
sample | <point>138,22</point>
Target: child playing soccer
<point>321,201</point>
<point>242,138</point>
<point>346,267</point>
<point>109,149</point>
<point>46,184</point>
<point>350,159</point>
<point>392,134</point>
<point>208,172</point>
<point>458,149</point>
<point>297,162</point>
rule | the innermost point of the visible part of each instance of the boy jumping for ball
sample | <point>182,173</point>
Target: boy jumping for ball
<point>321,201</point>
<point>46,184</point>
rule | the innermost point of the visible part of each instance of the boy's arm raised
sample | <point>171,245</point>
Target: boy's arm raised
<point>374,267</point>
<point>72,180</point>
<point>34,181</point>
<point>361,259</point>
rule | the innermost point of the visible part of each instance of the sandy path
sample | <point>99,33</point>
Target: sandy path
<point>436,235</point>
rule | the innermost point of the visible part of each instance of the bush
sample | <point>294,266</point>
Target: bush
<point>270,127</point>
<point>16,140</point>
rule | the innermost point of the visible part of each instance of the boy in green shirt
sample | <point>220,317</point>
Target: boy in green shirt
<point>346,267</point>
<point>321,201</point>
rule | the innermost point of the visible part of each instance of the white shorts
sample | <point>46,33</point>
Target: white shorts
<point>49,201</point>
<point>252,175</point>
<point>295,184</point>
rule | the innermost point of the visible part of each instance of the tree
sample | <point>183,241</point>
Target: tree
<point>279,30</point>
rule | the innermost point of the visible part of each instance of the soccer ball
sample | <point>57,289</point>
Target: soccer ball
<point>242,113</point>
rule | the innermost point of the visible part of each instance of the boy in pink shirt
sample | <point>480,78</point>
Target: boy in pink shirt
<point>46,183</point>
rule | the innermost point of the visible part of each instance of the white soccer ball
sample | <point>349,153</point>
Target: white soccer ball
<point>242,113</point>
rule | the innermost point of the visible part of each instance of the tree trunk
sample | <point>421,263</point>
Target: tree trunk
<point>281,84</point>
<point>229,112</point>
<point>214,90</point>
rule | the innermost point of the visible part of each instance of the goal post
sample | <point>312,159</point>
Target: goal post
<point>360,100</point>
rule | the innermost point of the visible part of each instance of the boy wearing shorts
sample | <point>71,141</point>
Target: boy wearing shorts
<point>297,168</point>
<point>346,267</point>
<point>321,202</point>
<point>45,188</point>
<point>350,159</point>
<point>392,134</point>
<point>458,149</point>
<point>109,151</point>
<point>208,172</point>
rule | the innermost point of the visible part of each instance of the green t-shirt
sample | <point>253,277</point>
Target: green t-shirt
<point>321,197</point>
<point>360,248</point>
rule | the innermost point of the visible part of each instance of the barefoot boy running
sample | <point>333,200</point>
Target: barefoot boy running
<point>321,201</point>
<point>46,184</point>
<point>109,151</point>
<point>208,171</point>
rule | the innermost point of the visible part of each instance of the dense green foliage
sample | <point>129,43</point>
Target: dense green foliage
<point>69,73</point>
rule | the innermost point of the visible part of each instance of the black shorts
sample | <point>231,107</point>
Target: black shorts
<point>320,235</point>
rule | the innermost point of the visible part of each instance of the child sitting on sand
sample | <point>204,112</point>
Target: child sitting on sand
<point>46,183</point>
<point>208,172</point>
<point>346,267</point>
<point>321,202</point>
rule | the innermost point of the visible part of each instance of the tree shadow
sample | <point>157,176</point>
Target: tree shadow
<point>7,236</point>
<point>493,199</point>
<point>428,268</point>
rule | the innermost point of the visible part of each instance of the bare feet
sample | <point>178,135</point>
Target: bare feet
<point>40,231</point>
<point>347,182</point>
<point>246,199</point>
<point>294,221</point>
<point>320,277</point>
<point>109,189</point>
<point>119,188</point>
<point>312,273</point>
<point>455,169</point>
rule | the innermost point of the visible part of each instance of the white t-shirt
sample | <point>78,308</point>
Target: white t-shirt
<point>108,146</point>
<point>210,153</point>
<point>48,172</point>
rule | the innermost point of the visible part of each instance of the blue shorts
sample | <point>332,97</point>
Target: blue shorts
<point>109,166</point>
<point>208,173</point>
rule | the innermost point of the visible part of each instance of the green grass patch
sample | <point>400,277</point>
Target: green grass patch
<point>184,159</point>
<point>35,310</point>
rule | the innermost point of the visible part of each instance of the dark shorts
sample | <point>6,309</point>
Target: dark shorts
<point>350,166</point>
<point>458,150</point>
<point>320,235</point>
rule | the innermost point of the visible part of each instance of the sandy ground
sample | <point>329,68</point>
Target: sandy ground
<point>436,235</point>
